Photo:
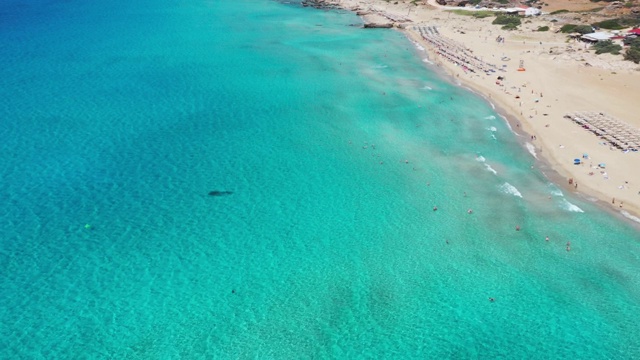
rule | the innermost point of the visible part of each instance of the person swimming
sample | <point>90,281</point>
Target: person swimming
<point>546,239</point>
<point>469,211</point>
<point>435,208</point>
<point>517,227</point>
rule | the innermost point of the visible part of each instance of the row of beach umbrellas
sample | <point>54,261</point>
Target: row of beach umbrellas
<point>614,131</point>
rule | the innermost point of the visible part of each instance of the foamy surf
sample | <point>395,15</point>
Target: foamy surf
<point>569,206</point>
<point>480,158</point>
<point>488,167</point>
<point>490,117</point>
<point>380,66</point>
<point>425,60</point>
<point>630,217</point>
<point>426,87</point>
<point>509,125</point>
<point>492,128</point>
<point>510,189</point>
<point>531,149</point>
<point>418,46</point>
<point>555,191</point>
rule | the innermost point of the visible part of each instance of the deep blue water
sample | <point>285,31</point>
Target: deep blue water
<point>331,146</point>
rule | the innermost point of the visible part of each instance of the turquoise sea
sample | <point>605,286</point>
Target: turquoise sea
<point>253,179</point>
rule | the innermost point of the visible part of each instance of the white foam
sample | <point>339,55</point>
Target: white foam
<point>509,125</point>
<point>480,158</point>
<point>569,206</point>
<point>510,189</point>
<point>488,167</point>
<point>494,137</point>
<point>427,61</point>
<point>555,191</point>
<point>629,216</point>
<point>490,117</point>
<point>427,88</point>
<point>532,150</point>
<point>492,128</point>
<point>380,66</point>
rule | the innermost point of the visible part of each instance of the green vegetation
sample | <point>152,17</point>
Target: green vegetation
<point>611,24</point>
<point>632,42</point>
<point>617,24</point>
<point>508,22</point>
<point>559,12</point>
<point>590,10</point>
<point>475,14</point>
<point>509,27</point>
<point>607,47</point>
<point>583,29</point>
<point>543,28</point>
<point>633,54</point>
<point>571,28</point>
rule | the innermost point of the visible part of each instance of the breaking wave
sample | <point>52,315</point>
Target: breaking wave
<point>555,191</point>
<point>532,150</point>
<point>488,167</point>
<point>569,206</point>
<point>629,216</point>
<point>510,189</point>
<point>418,46</point>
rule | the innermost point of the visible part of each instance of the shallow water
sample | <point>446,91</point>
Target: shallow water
<point>330,146</point>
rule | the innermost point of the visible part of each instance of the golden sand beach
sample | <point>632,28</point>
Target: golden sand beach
<point>560,77</point>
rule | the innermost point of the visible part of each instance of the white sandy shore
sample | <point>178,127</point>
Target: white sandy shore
<point>557,77</point>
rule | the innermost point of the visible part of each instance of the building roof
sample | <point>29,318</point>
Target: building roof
<point>597,36</point>
<point>634,31</point>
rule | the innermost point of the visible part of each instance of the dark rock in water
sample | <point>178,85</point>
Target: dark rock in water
<point>319,4</point>
<point>378,26</point>
<point>220,193</point>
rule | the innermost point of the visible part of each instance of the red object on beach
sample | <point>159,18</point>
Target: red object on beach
<point>634,32</point>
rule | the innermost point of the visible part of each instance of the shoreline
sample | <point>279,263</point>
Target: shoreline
<point>544,164</point>
<point>547,158</point>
